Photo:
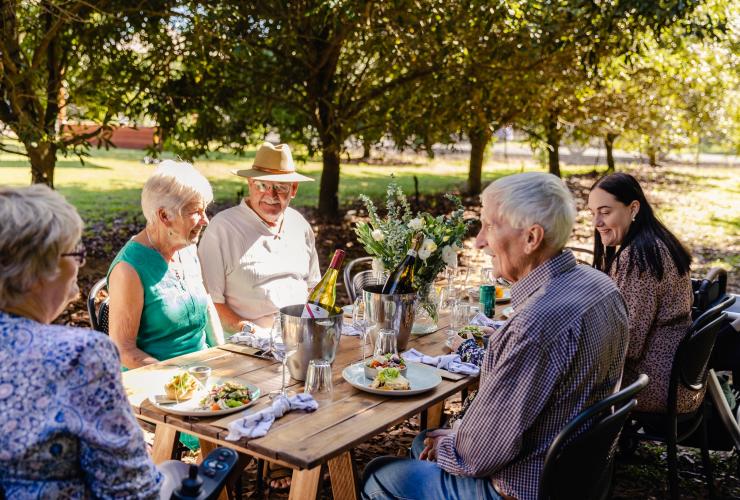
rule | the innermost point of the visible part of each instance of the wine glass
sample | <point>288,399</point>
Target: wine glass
<point>360,322</point>
<point>281,350</point>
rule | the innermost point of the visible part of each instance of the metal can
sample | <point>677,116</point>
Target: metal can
<point>488,300</point>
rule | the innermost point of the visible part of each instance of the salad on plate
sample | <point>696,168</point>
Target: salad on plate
<point>225,396</point>
<point>390,379</point>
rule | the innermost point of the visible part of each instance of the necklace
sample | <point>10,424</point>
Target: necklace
<point>177,272</point>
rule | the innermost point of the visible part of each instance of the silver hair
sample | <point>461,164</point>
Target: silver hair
<point>172,186</point>
<point>37,226</point>
<point>533,198</point>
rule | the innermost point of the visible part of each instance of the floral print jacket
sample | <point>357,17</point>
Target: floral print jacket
<point>66,428</point>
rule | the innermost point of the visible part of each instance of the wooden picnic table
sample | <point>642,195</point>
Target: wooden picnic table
<point>301,441</point>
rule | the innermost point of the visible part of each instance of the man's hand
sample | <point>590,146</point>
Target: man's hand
<point>430,444</point>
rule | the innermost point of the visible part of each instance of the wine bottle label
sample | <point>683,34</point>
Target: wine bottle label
<point>314,311</point>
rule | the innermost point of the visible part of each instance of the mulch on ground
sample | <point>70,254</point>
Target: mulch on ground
<point>640,475</point>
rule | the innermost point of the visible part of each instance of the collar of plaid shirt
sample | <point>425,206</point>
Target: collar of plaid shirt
<point>525,287</point>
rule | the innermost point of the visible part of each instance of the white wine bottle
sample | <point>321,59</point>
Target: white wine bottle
<point>323,296</point>
<point>401,280</point>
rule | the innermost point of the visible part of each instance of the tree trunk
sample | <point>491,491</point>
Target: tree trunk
<point>553,144</point>
<point>329,188</point>
<point>43,159</point>
<point>366,149</point>
<point>609,145</point>
<point>652,154</point>
<point>479,139</point>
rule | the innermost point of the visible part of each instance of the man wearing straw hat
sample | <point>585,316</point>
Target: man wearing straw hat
<point>261,254</point>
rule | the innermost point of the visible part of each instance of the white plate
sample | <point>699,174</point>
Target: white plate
<point>507,312</point>
<point>421,377</point>
<point>190,408</point>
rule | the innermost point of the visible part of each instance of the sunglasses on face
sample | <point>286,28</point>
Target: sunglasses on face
<point>278,187</point>
<point>80,254</point>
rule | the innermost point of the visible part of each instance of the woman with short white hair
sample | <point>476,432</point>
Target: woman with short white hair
<point>158,304</point>
<point>68,430</point>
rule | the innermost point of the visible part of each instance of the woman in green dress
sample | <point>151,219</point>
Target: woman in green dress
<point>158,304</point>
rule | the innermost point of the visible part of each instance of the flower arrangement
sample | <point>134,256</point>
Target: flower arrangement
<point>389,238</point>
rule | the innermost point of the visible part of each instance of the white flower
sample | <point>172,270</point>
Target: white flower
<point>449,255</point>
<point>378,235</point>
<point>416,224</point>
<point>427,248</point>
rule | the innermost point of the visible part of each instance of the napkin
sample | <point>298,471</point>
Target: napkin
<point>257,424</point>
<point>253,336</point>
<point>481,319</point>
<point>450,362</point>
<point>349,330</point>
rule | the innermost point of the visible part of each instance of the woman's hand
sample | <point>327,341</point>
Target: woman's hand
<point>430,444</point>
<point>455,342</point>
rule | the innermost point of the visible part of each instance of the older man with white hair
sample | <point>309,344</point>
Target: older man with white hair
<point>561,351</point>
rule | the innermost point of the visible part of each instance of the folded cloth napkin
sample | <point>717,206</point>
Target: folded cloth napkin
<point>481,319</point>
<point>350,330</point>
<point>257,424</point>
<point>253,336</point>
<point>450,362</point>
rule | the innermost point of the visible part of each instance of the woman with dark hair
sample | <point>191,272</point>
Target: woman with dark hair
<point>651,268</point>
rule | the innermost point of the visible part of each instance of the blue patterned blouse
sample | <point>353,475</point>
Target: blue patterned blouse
<point>66,428</point>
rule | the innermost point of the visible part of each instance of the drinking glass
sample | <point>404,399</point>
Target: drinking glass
<point>281,351</point>
<point>386,343</point>
<point>360,322</point>
<point>486,276</point>
<point>318,380</point>
<point>201,374</point>
<point>462,314</point>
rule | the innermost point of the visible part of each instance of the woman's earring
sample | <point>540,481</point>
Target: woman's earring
<point>633,218</point>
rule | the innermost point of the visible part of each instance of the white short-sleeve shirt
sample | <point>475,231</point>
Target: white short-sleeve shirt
<point>256,269</point>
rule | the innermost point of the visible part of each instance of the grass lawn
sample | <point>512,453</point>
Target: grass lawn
<point>701,204</point>
<point>110,181</point>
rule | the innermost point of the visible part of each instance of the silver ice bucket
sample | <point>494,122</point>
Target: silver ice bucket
<point>316,338</point>
<point>384,311</point>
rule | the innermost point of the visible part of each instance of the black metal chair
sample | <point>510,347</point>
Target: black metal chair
<point>689,370</point>
<point>708,291</point>
<point>98,312</point>
<point>580,464</point>
<point>355,283</point>
<point>582,255</point>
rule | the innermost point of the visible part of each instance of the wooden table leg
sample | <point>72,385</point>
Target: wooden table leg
<point>343,478</point>
<point>305,484</point>
<point>434,415</point>
<point>164,442</point>
<point>206,447</point>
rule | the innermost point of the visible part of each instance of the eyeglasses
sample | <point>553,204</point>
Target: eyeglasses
<point>278,187</point>
<point>80,255</point>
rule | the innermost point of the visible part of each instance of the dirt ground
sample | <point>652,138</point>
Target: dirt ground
<point>640,475</point>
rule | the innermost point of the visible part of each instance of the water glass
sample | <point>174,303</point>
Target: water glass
<point>318,380</point>
<point>386,343</point>
<point>360,322</point>
<point>486,276</point>
<point>462,314</point>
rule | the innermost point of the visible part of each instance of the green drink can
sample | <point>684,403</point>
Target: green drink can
<point>488,300</point>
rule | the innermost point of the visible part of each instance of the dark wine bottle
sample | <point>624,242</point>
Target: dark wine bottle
<point>401,280</point>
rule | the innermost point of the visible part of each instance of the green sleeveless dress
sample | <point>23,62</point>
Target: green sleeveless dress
<point>174,316</point>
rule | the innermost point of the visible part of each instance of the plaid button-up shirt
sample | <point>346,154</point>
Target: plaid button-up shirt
<point>561,351</point>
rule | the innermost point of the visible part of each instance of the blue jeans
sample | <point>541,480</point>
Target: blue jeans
<point>411,479</point>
